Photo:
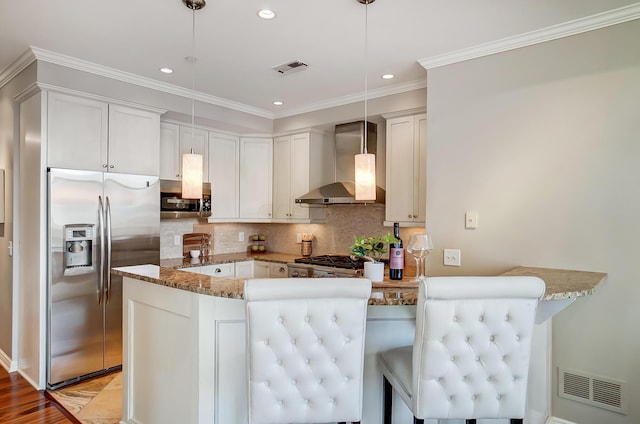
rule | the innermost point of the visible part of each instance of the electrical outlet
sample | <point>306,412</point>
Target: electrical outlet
<point>241,236</point>
<point>177,240</point>
<point>299,238</point>
<point>452,257</point>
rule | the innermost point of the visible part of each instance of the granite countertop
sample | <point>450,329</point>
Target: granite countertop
<point>560,284</point>
<point>176,263</point>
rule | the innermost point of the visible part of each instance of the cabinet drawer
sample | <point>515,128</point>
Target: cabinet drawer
<point>278,271</point>
<point>220,270</point>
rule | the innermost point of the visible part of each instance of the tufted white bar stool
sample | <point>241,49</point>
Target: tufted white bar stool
<point>305,349</point>
<point>470,356</point>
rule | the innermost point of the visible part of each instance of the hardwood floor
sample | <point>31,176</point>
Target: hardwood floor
<point>20,403</point>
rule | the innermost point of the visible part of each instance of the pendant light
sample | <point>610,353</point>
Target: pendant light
<point>365,163</point>
<point>192,162</point>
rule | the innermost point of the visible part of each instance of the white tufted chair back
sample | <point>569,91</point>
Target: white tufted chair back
<point>472,346</point>
<point>305,349</point>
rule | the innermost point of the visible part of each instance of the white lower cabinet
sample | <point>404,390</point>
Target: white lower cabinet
<point>218,270</point>
<point>244,269</point>
<point>261,269</point>
<point>278,271</point>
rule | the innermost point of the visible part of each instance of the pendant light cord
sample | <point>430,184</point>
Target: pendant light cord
<point>193,70</point>
<point>366,61</point>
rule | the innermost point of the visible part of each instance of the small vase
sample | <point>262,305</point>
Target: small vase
<point>374,271</point>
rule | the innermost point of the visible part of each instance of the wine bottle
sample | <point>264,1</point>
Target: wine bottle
<point>396,255</point>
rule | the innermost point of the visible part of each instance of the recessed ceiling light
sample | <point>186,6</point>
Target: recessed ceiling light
<point>166,70</point>
<point>388,76</point>
<point>266,14</point>
<point>278,103</point>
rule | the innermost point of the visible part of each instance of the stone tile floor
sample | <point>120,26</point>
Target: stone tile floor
<point>96,401</point>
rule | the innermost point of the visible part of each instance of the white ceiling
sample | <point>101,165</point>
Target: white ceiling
<point>236,50</point>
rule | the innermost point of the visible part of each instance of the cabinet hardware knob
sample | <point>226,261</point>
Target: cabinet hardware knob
<point>104,165</point>
<point>409,216</point>
<point>111,166</point>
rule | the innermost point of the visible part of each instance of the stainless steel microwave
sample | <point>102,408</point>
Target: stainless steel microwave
<point>172,205</point>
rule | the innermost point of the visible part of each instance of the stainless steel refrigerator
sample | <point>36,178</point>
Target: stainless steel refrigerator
<point>96,221</point>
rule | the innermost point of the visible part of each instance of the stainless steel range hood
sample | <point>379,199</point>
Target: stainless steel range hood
<point>349,139</point>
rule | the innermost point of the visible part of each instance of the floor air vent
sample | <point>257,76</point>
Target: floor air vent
<point>593,390</point>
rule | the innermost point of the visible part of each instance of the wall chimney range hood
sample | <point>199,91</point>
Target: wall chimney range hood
<point>349,139</point>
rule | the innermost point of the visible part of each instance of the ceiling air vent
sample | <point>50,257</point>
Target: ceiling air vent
<point>596,391</point>
<point>291,67</point>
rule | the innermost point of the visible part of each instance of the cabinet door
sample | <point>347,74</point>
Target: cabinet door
<point>134,141</point>
<point>420,168</point>
<point>261,269</point>
<point>198,140</point>
<point>278,271</point>
<point>282,177</point>
<point>220,270</point>
<point>400,169</point>
<point>76,132</point>
<point>244,269</point>
<point>224,161</point>
<point>256,155</point>
<point>300,169</point>
<point>169,151</point>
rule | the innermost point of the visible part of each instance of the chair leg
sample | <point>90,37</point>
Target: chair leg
<point>418,420</point>
<point>387,397</point>
<point>471,421</point>
<point>517,421</point>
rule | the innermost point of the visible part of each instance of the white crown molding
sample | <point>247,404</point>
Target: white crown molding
<point>554,32</point>
<point>85,66</point>
<point>19,65</point>
<point>353,98</point>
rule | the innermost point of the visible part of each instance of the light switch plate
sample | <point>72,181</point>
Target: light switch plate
<point>471,220</point>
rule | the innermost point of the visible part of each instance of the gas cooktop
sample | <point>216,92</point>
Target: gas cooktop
<point>337,261</point>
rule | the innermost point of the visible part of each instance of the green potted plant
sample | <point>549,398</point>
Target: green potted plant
<point>372,249</point>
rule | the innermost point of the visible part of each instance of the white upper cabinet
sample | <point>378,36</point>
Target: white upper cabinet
<point>300,163</point>
<point>406,170</point>
<point>84,133</point>
<point>224,164</point>
<point>134,137</point>
<point>175,141</point>
<point>77,132</point>
<point>169,151</point>
<point>256,156</point>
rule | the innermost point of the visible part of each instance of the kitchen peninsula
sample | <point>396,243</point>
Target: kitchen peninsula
<point>184,343</point>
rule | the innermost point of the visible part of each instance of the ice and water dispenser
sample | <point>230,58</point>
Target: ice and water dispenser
<point>78,242</point>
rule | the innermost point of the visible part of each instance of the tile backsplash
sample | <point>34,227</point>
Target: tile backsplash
<point>335,237</point>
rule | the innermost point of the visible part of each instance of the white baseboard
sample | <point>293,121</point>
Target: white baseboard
<point>7,363</point>
<point>556,420</point>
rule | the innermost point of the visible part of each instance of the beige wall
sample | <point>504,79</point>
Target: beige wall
<point>7,128</point>
<point>544,143</point>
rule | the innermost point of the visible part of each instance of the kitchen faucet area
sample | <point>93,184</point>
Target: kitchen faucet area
<point>156,158</point>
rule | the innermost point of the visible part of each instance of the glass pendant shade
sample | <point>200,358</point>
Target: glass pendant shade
<point>191,176</point>
<point>366,176</point>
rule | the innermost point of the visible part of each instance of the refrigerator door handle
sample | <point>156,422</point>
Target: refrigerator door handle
<point>102,251</point>
<point>108,271</point>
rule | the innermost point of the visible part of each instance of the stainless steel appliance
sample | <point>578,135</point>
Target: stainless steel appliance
<point>172,205</point>
<point>349,142</point>
<point>326,266</point>
<point>96,221</point>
